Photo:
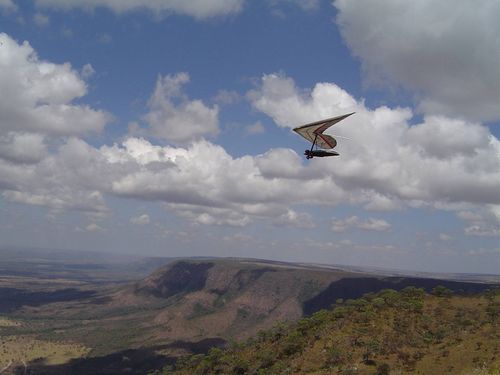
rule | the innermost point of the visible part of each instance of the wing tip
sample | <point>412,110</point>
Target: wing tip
<point>341,117</point>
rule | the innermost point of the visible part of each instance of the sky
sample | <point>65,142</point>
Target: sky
<point>162,127</point>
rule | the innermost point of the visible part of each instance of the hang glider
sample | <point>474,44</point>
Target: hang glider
<point>313,132</point>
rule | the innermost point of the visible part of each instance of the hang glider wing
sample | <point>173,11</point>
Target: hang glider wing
<point>315,130</point>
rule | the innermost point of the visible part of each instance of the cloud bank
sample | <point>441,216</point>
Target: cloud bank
<point>199,9</point>
<point>388,164</point>
<point>175,118</point>
<point>440,162</point>
<point>41,94</point>
<point>436,50</point>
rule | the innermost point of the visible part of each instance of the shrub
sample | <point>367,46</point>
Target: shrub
<point>240,367</point>
<point>441,291</point>
<point>266,358</point>
<point>383,369</point>
<point>334,357</point>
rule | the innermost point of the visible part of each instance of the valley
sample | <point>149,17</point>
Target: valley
<point>112,317</point>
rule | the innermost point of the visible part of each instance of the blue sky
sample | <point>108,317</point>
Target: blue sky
<point>164,128</point>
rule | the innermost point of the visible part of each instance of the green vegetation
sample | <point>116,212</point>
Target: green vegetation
<point>388,332</point>
<point>143,326</point>
<point>18,350</point>
<point>6,322</point>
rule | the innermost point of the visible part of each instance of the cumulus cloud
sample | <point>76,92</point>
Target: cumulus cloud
<point>199,9</point>
<point>476,230</point>
<point>67,179</point>
<point>255,128</point>
<point>174,117</point>
<point>140,220</point>
<point>306,5</point>
<point>372,224</point>
<point>226,97</point>
<point>41,20</point>
<point>438,160</point>
<point>93,227</point>
<point>295,219</point>
<point>22,147</point>
<point>62,199</point>
<point>205,175</point>
<point>447,53</point>
<point>67,32</point>
<point>483,221</point>
<point>201,182</point>
<point>444,237</point>
<point>290,106</point>
<point>206,215</point>
<point>87,71</point>
<point>7,5</point>
<point>389,164</point>
<point>104,38</point>
<point>41,94</point>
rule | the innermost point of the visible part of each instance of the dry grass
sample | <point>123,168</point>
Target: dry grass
<point>6,322</point>
<point>413,334</point>
<point>24,349</point>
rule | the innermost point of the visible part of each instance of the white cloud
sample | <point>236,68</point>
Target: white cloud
<point>342,225</point>
<point>174,117</point>
<point>204,215</point>
<point>255,128</point>
<point>40,94</point>
<point>306,5</point>
<point>87,71</point>
<point>444,237</point>
<point>201,183</point>
<point>227,97</point>
<point>67,32</point>
<point>483,251</point>
<point>41,20</point>
<point>295,219</point>
<point>443,138</point>
<point>104,38</point>
<point>199,9</point>
<point>483,221</point>
<point>378,225</point>
<point>68,179</point>
<point>476,230</point>
<point>446,52</point>
<point>440,160</point>
<point>140,220</point>
<point>93,227</point>
<point>7,5</point>
<point>289,106</point>
<point>379,202</point>
<point>282,163</point>
<point>22,147</point>
<point>389,164</point>
<point>64,199</point>
<point>206,185</point>
<point>205,175</point>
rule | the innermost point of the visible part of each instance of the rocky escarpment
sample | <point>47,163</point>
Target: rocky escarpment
<point>177,278</point>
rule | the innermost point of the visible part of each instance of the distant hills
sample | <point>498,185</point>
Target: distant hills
<point>183,307</point>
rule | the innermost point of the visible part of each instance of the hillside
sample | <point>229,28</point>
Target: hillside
<point>184,307</point>
<point>384,333</point>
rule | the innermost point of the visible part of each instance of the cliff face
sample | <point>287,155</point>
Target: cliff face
<point>179,278</point>
<point>236,299</point>
<point>188,306</point>
<point>228,299</point>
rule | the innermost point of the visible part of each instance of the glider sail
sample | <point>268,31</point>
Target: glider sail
<point>313,132</point>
